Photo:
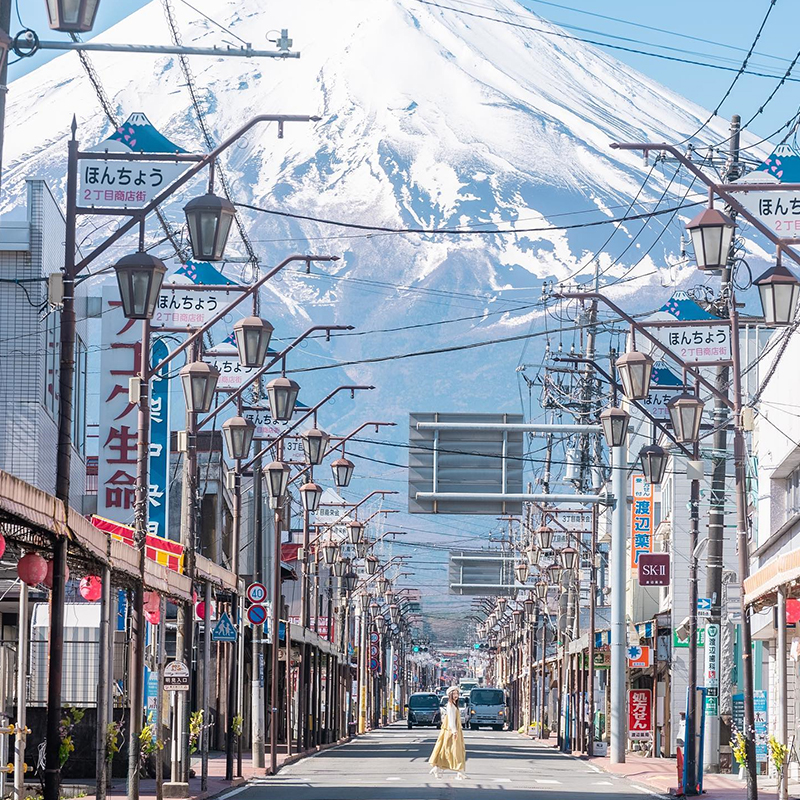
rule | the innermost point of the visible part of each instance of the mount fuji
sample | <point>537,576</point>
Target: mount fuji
<point>429,119</point>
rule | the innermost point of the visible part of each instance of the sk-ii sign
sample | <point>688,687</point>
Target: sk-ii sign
<point>654,569</point>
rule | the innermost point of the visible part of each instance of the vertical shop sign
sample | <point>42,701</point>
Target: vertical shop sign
<point>641,519</point>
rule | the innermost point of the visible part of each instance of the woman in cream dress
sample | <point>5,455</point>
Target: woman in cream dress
<point>449,752</point>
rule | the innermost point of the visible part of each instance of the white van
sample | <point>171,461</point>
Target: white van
<point>487,707</point>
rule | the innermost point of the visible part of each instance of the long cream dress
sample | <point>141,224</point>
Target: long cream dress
<point>449,752</point>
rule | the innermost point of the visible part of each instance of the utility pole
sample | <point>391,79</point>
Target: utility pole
<point>716,516</point>
<point>257,695</point>
<point>5,25</point>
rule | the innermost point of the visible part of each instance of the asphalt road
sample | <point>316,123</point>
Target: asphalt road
<point>391,764</point>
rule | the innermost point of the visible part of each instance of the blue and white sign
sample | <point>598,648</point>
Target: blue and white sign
<point>224,630</point>
<point>158,496</point>
<point>779,210</point>
<point>762,733</point>
<point>703,606</point>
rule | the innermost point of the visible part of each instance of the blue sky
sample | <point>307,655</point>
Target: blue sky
<point>732,22</point>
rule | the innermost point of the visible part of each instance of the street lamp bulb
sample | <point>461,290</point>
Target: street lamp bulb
<point>310,495</point>
<point>686,414</point>
<point>253,336</point>
<point>635,369</point>
<point>238,433</point>
<point>355,531</point>
<point>779,291</point>
<point>654,463</point>
<point>139,277</point>
<point>277,475</point>
<point>342,469</point>
<point>282,397</point>
<point>712,234</point>
<point>315,443</point>
<point>199,382</point>
<point>614,422</point>
<point>209,221</point>
<point>72,16</point>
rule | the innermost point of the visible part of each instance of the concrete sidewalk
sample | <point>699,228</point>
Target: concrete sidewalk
<point>661,775</point>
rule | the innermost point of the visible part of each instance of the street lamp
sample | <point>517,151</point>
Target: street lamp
<point>252,335</point>
<point>282,397</point>
<point>364,600</point>
<point>238,433</point>
<point>501,605</point>
<point>361,549</point>
<point>556,572</point>
<point>315,442</point>
<point>72,16</point>
<point>686,413</point>
<point>530,605</point>
<point>532,554</point>
<point>614,422</point>
<point>199,384</point>
<point>209,219</point>
<point>342,470</point>
<point>522,571</point>
<point>545,537</point>
<point>654,463</point>
<point>382,585</point>
<point>277,475</point>
<point>372,565</point>
<point>355,531</point>
<point>541,589</point>
<point>380,623</point>
<point>329,550</point>
<point>712,234</point>
<point>139,276</point>
<point>349,582</point>
<point>517,614</point>
<point>568,558</point>
<point>635,369</point>
<point>779,291</point>
<point>394,613</point>
<point>310,495</point>
<point>339,567</point>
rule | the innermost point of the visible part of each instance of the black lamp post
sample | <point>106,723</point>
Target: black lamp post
<point>779,291</point>
<point>72,16</point>
<point>209,221</point>
<point>310,495</point>
<point>614,422</point>
<point>315,442</point>
<point>282,397</point>
<point>238,433</point>
<point>712,234</point>
<point>654,463</point>
<point>342,470</point>
<point>139,276</point>
<point>685,413</point>
<point>253,336</point>
<point>199,384</point>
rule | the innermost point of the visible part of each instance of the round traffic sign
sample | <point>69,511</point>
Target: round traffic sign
<point>373,664</point>
<point>257,615</point>
<point>256,593</point>
<point>373,637</point>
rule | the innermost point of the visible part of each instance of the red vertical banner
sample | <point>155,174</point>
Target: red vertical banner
<point>641,519</point>
<point>640,714</point>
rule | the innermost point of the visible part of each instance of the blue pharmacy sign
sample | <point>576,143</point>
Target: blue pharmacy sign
<point>159,445</point>
<point>762,732</point>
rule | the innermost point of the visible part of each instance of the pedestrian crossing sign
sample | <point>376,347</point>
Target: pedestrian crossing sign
<point>224,630</point>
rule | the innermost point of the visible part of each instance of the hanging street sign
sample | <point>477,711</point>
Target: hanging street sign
<point>778,210</point>
<point>123,183</point>
<point>698,342</point>
<point>712,670</point>
<point>639,657</point>
<point>231,373</point>
<point>256,593</point>
<point>664,385</point>
<point>640,714</point>
<point>158,494</point>
<point>704,607</point>
<point>224,630</point>
<point>654,569</point>
<point>176,677</point>
<point>257,615</point>
<point>641,518</point>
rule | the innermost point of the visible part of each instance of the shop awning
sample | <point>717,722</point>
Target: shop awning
<point>761,588</point>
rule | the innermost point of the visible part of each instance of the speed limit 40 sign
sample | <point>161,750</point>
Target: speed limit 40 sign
<point>256,593</point>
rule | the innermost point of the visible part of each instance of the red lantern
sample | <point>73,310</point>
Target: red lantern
<point>32,569</point>
<point>48,578</point>
<point>153,617</point>
<point>200,610</point>
<point>91,588</point>
<point>2,546</point>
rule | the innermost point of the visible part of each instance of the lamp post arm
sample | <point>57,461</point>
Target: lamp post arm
<point>384,535</point>
<point>350,510</point>
<point>220,315</point>
<point>340,442</point>
<point>310,412</point>
<point>635,403</point>
<point>187,176</point>
<point>280,356</point>
<point>695,373</point>
<point>724,191</point>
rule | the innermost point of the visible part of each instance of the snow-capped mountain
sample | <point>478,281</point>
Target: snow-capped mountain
<point>430,118</point>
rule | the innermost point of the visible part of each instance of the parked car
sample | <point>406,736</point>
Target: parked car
<point>487,707</point>
<point>423,709</point>
<point>463,710</point>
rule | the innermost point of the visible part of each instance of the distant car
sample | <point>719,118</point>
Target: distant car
<point>423,709</point>
<point>487,707</point>
<point>463,709</point>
